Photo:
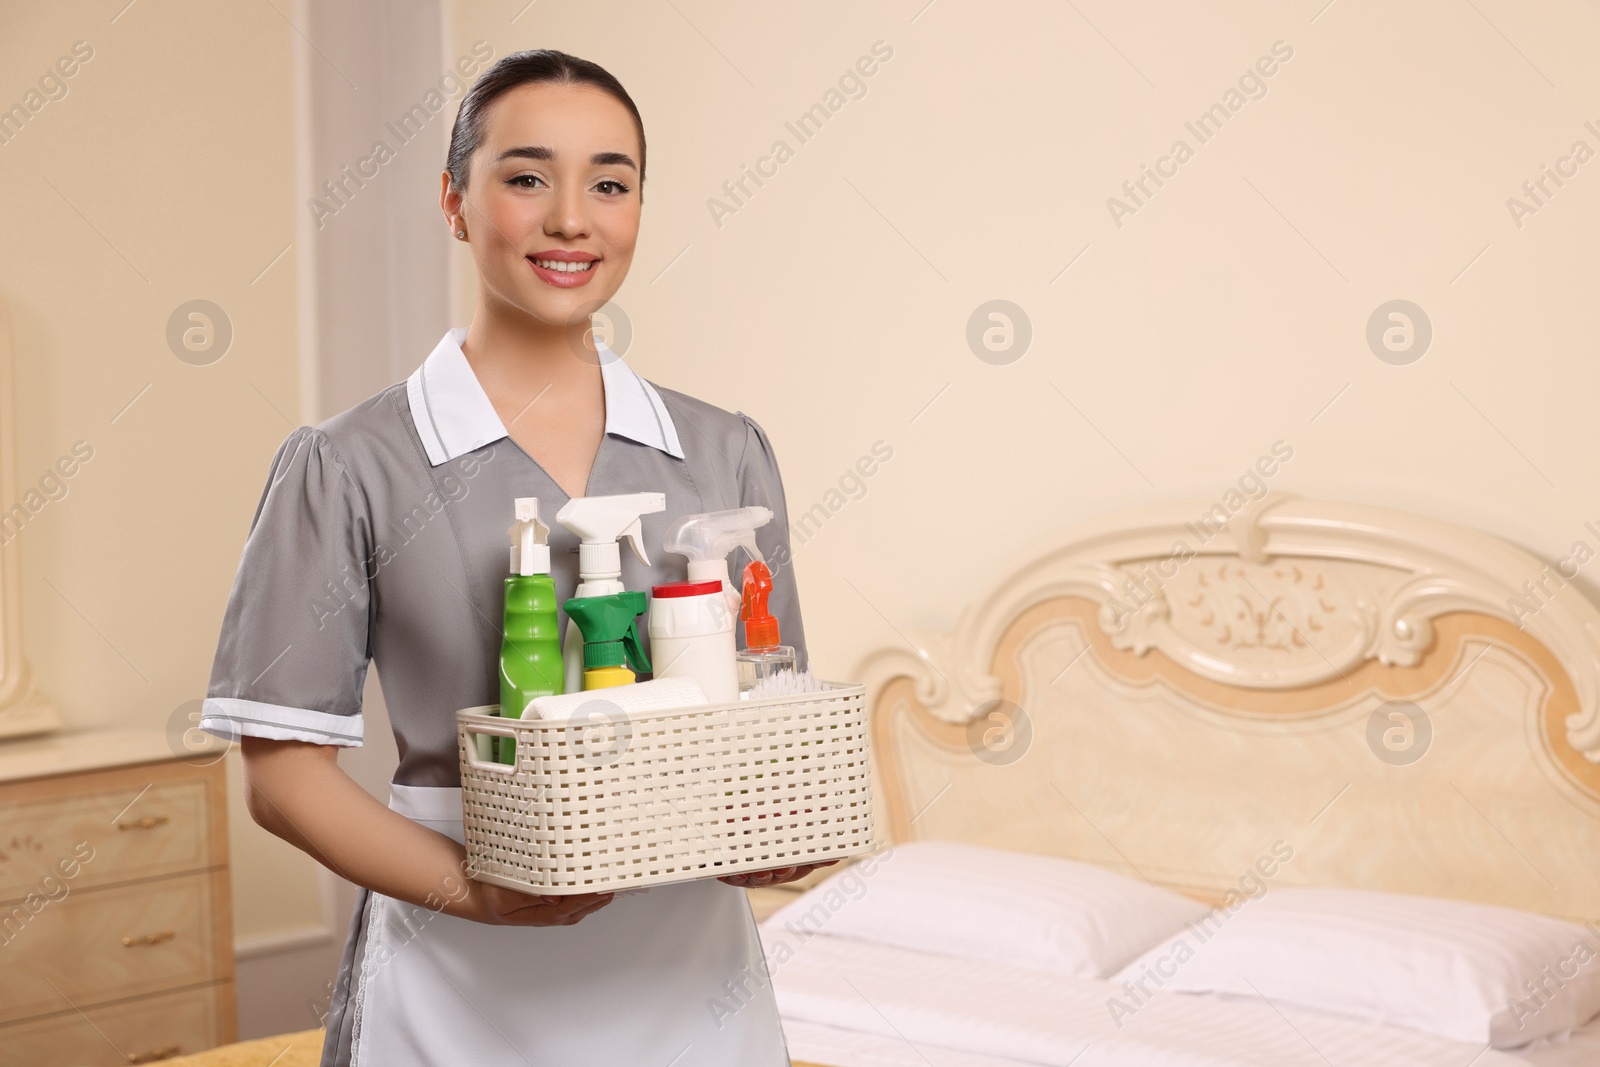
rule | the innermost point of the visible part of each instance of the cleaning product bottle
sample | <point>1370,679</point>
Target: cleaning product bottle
<point>600,522</point>
<point>691,636</point>
<point>762,655</point>
<point>692,623</point>
<point>530,647</point>
<point>610,637</point>
<point>706,539</point>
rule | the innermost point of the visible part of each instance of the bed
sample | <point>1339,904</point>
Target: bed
<point>1165,694</point>
<point>1406,706</point>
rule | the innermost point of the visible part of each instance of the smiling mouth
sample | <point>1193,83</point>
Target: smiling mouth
<point>563,266</point>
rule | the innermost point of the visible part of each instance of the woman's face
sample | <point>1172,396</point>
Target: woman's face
<point>557,172</point>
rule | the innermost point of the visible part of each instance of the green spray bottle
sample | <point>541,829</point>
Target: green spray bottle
<point>530,646</point>
<point>610,637</point>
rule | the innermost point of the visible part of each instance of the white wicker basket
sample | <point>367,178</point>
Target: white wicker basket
<point>612,800</point>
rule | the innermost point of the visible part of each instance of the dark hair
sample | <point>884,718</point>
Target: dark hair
<point>523,68</point>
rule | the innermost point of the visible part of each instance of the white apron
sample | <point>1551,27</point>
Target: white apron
<point>666,976</point>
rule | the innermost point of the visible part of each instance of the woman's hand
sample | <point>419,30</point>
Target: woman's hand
<point>499,906</point>
<point>757,879</point>
<point>298,791</point>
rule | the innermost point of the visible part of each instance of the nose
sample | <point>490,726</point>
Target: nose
<point>569,215</point>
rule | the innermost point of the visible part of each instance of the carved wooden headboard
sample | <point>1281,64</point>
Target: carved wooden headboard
<point>1401,703</point>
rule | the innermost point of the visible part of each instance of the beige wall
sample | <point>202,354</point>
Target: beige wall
<point>163,175</point>
<point>1221,316</point>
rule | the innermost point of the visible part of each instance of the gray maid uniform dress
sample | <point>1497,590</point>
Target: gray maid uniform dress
<point>381,535</point>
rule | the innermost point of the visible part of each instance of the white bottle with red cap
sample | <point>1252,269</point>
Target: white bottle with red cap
<point>692,623</point>
<point>691,636</point>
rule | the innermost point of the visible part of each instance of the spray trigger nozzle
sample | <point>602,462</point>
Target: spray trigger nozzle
<point>530,549</point>
<point>634,535</point>
<point>705,540</point>
<point>760,626</point>
<point>601,523</point>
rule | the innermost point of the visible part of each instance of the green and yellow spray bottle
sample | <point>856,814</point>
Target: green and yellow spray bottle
<point>530,648</point>
<point>610,637</point>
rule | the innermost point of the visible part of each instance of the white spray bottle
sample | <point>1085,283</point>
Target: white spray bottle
<point>600,522</point>
<point>706,540</point>
<point>692,622</point>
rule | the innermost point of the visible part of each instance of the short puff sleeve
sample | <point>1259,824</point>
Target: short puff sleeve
<point>293,652</point>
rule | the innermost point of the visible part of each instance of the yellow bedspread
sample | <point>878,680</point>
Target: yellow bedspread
<point>286,1050</point>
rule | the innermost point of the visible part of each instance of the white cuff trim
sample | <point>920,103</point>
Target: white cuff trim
<point>232,718</point>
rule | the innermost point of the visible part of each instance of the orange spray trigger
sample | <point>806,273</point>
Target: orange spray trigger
<point>760,628</point>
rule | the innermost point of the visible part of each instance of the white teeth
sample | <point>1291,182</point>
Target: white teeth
<point>563,266</point>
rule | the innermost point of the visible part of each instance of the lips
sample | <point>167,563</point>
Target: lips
<point>563,269</point>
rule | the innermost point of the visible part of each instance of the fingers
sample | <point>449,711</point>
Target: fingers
<point>512,907</point>
<point>526,909</point>
<point>585,912</point>
<point>759,879</point>
<point>776,876</point>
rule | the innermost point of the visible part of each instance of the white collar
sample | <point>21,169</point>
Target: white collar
<point>453,414</point>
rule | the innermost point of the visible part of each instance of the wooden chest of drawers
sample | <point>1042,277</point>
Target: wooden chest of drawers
<point>116,932</point>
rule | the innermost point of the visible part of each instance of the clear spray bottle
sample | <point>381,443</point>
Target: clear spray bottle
<point>763,656</point>
<point>692,623</point>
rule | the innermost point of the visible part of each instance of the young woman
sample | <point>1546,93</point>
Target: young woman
<point>381,537</point>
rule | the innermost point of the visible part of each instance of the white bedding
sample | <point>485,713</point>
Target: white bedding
<point>848,1003</point>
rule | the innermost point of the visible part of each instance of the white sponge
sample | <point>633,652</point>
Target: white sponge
<point>655,695</point>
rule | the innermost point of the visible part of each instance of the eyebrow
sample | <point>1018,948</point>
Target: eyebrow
<point>548,155</point>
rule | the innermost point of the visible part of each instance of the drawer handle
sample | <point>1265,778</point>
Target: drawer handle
<point>155,1054</point>
<point>148,939</point>
<point>149,822</point>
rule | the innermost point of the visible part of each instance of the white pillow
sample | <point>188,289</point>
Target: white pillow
<point>1017,908</point>
<point>1469,972</point>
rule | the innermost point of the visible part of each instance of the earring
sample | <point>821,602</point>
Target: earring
<point>461,234</point>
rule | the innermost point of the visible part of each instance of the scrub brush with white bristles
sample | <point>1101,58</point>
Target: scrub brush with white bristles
<point>784,683</point>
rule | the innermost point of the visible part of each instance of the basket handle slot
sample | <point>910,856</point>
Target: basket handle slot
<point>477,737</point>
